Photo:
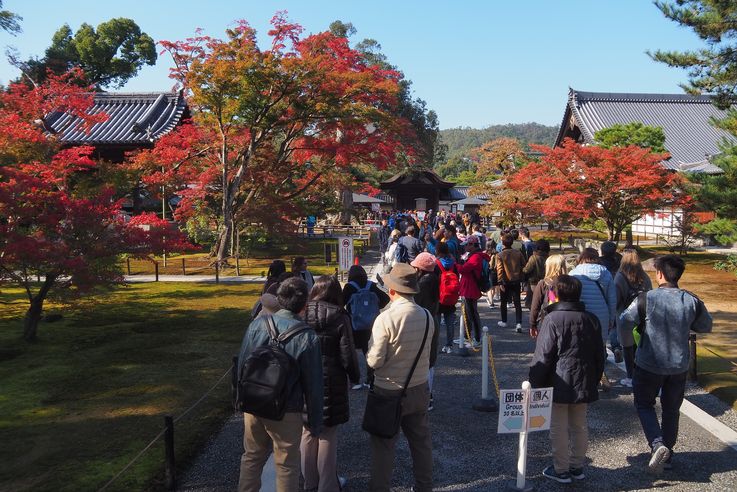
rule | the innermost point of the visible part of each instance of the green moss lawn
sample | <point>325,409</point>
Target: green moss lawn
<point>77,405</point>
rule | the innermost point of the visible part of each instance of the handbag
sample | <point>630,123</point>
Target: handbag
<point>383,413</point>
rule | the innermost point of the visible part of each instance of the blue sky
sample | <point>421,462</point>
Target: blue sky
<point>476,63</point>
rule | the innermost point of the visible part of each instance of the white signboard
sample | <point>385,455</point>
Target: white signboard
<point>541,404</point>
<point>523,412</point>
<point>345,253</point>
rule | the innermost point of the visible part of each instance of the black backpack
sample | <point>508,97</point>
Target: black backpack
<point>262,388</point>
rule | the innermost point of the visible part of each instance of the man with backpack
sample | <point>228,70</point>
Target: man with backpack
<point>449,293</point>
<point>661,360</point>
<point>279,372</point>
<point>509,264</point>
<point>472,283</point>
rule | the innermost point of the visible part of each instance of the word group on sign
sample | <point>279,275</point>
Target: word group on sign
<point>524,411</point>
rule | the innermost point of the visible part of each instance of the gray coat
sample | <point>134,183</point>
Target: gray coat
<point>602,305</point>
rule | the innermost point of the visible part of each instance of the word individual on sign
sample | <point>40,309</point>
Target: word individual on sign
<point>512,411</point>
<point>541,404</point>
<point>516,414</point>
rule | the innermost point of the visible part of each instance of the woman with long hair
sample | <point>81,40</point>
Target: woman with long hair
<point>629,281</point>
<point>276,270</point>
<point>543,293</point>
<point>325,313</point>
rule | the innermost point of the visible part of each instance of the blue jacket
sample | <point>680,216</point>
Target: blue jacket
<point>604,306</point>
<point>306,384</point>
<point>670,314</point>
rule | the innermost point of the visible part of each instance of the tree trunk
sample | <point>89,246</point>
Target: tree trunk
<point>33,315</point>
<point>346,207</point>
<point>223,241</point>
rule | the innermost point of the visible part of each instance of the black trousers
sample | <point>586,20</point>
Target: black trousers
<point>511,291</point>
<point>472,317</point>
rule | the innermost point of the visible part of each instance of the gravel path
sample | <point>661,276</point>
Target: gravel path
<point>470,456</point>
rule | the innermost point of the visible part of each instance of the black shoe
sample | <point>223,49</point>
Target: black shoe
<point>577,473</point>
<point>660,456</point>
<point>550,473</point>
<point>618,355</point>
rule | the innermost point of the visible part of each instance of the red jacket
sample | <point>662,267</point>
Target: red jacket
<point>470,273</point>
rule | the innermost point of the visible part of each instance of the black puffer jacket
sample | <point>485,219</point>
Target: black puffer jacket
<point>333,326</point>
<point>569,354</point>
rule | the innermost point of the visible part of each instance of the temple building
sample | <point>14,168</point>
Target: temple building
<point>135,121</point>
<point>690,137</point>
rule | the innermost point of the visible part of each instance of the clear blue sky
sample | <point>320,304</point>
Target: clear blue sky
<point>476,63</point>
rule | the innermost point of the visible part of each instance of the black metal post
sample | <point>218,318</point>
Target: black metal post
<point>217,273</point>
<point>128,263</point>
<point>692,370</point>
<point>156,268</point>
<point>184,270</point>
<point>171,477</point>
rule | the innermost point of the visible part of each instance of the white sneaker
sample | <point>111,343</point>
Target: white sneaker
<point>518,328</point>
<point>341,482</point>
<point>357,386</point>
<point>449,350</point>
<point>502,324</point>
<point>626,382</point>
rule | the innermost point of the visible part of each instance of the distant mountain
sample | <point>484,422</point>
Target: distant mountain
<point>461,140</point>
<point>458,168</point>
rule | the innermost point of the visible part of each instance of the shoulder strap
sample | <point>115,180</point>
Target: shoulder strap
<point>419,353</point>
<point>291,332</point>
<point>440,265</point>
<point>271,326</point>
<point>368,285</point>
<point>354,285</point>
<point>601,289</point>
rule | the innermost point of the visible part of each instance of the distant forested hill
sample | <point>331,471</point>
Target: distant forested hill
<point>461,140</point>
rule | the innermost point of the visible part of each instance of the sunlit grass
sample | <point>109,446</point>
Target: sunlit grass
<point>77,405</point>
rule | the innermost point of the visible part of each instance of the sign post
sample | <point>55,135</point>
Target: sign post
<point>345,253</point>
<point>524,411</point>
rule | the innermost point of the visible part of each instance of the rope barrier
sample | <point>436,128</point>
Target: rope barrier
<point>163,431</point>
<point>465,324</point>
<point>492,364</point>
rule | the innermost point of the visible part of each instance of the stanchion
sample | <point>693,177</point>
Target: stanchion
<point>184,268</point>
<point>521,484</point>
<point>171,477</point>
<point>462,349</point>
<point>217,273</point>
<point>485,404</point>
<point>156,268</point>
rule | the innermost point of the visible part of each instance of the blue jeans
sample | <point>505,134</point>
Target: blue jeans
<point>645,386</point>
<point>449,318</point>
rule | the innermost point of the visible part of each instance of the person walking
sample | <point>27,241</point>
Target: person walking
<point>299,269</point>
<point>411,243</point>
<point>598,294</point>
<point>570,358</point>
<point>263,436</point>
<point>534,270</point>
<point>400,342</point>
<point>661,361</point>
<point>449,293</point>
<point>509,264</point>
<point>471,272</point>
<point>543,293</point>
<point>363,311</point>
<point>390,257</point>
<point>332,324</point>
<point>383,234</point>
<point>428,297</point>
<point>630,281</point>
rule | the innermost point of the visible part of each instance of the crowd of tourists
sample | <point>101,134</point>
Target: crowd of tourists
<point>302,352</point>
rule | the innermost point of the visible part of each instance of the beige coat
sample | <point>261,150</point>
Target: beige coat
<point>395,340</point>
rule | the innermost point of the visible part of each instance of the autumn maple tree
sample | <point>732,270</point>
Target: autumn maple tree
<point>616,185</point>
<point>268,124</point>
<point>53,236</point>
<point>497,161</point>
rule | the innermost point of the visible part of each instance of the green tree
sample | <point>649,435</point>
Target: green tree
<point>635,133</point>
<point>9,21</point>
<point>711,70</point>
<point>110,55</point>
